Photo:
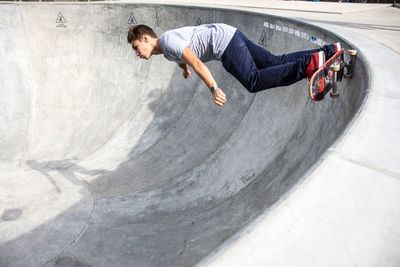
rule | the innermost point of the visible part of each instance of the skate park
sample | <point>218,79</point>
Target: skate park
<point>108,160</point>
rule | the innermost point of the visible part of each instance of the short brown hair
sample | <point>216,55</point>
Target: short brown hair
<point>136,32</point>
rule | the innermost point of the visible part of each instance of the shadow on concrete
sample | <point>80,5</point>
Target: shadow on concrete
<point>68,168</point>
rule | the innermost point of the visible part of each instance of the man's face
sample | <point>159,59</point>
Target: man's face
<point>142,47</point>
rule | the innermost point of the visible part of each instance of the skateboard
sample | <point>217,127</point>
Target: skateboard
<point>332,72</point>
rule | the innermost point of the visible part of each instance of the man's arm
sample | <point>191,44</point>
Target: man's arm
<point>204,73</point>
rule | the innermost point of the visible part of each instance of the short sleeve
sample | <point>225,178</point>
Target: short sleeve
<point>173,45</point>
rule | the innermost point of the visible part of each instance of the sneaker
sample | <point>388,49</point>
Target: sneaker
<point>317,60</point>
<point>319,89</point>
<point>337,46</point>
<point>332,49</point>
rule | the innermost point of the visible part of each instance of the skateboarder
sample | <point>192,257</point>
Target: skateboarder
<point>252,65</point>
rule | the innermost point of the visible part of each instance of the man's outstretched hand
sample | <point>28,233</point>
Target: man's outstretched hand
<point>186,73</point>
<point>219,97</point>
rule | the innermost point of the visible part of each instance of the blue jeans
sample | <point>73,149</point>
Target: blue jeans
<point>257,69</point>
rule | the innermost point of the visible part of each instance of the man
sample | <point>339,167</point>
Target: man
<point>253,66</point>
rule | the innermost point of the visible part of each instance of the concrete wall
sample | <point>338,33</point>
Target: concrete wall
<point>137,164</point>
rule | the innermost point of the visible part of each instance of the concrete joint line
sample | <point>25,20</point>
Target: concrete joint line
<point>83,230</point>
<point>367,165</point>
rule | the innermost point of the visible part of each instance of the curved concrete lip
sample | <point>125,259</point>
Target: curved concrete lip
<point>169,201</point>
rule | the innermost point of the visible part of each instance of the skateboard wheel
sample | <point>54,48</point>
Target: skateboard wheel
<point>335,67</point>
<point>352,52</point>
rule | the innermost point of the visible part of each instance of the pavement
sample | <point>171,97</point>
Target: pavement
<point>107,160</point>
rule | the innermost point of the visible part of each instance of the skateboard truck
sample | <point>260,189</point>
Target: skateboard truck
<point>350,64</point>
<point>335,68</point>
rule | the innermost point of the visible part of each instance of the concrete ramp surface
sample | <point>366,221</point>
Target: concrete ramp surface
<point>108,160</point>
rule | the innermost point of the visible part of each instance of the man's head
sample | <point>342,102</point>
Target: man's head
<point>142,38</point>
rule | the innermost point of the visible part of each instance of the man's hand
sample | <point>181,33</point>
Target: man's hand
<point>219,97</point>
<point>186,73</point>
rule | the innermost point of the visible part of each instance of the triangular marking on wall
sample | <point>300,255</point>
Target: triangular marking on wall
<point>132,20</point>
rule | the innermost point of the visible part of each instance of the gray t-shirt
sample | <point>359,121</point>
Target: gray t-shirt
<point>207,41</point>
